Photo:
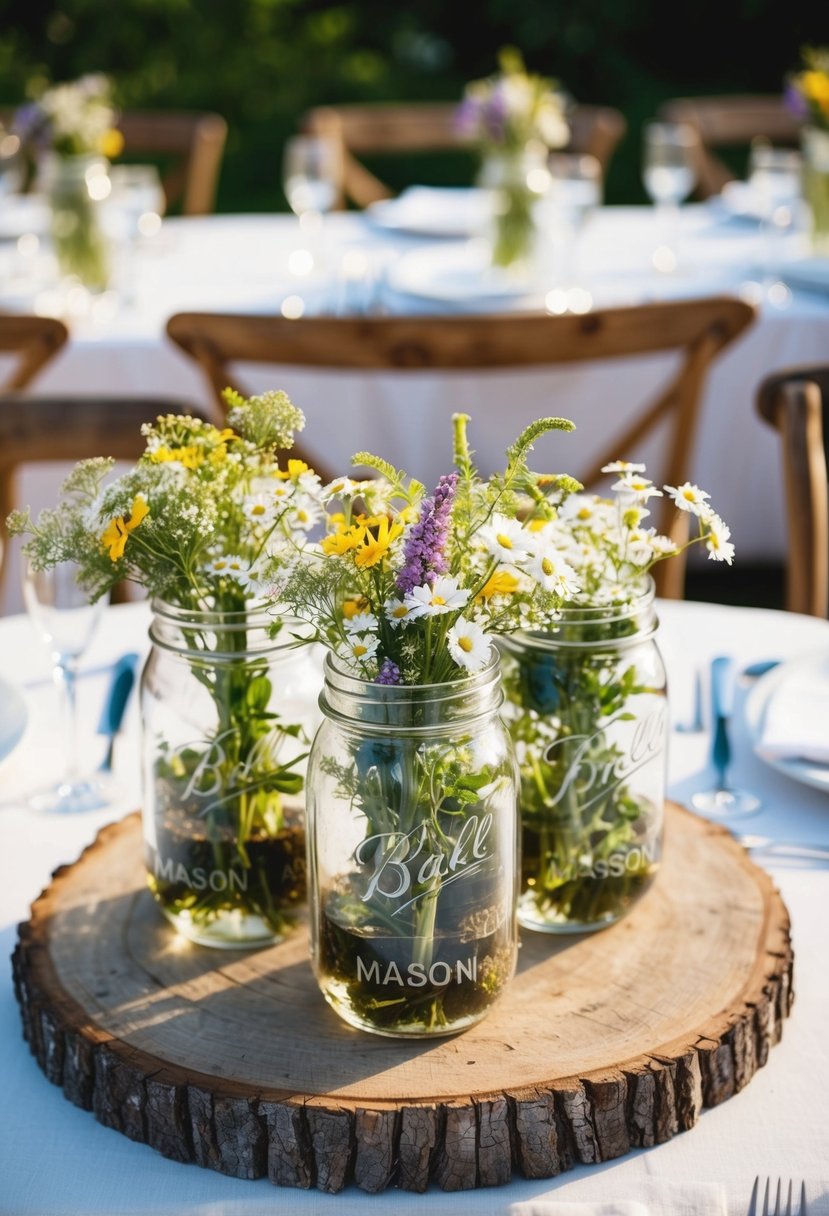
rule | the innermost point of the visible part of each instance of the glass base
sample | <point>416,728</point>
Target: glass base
<point>725,804</point>
<point>231,930</point>
<point>71,797</point>
<point>528,918</point>
<point>338,998</point>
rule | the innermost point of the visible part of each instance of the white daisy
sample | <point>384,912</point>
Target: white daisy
<point>228,565</point>
<point>303,515</point>
<point>689,497</point>
<point>506,539</point>
<point>468,645</point>
<point>397,613</point>
<point>444,596</point>
<point>635,483</point>
<point>341,487</point>
<point>361,622</point>
<point>552,573</point>
<point>360,648</point>
<point>259,508</point>
<point>623,466</point>
<point>717,542</point>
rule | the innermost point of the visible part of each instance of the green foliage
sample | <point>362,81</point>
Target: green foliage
<point>262,63</point>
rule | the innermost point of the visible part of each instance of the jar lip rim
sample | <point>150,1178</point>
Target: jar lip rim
<point>442,688</point>
<point>256,608</point>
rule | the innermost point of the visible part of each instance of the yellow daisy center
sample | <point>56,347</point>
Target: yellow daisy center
<point>465,644</point>
<point>547,566</point>
<point>585,513</point>
<point>400,611</point>
<point>503,540</point>
<point>359,651</point>
<point>438,600</point>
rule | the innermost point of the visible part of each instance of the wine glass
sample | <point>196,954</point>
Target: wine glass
<point>133,214</point>
<point>65,621</point>
<point>575,192</point>
<point>669,174</point>
<point>723,800</point>
<point>311,175</point>
<point>775,178</point>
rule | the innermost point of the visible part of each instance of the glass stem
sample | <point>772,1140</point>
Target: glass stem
<point>65,676</point>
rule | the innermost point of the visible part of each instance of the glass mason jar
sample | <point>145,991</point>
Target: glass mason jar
<point>76,187</point>
<point>587,711</point>
<point>517,179</point>
<point>412,852</point>
<point>815,145</point>
<point>227,714</point>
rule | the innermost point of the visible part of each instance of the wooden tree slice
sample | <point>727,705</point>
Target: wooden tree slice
<point>234,1061</point>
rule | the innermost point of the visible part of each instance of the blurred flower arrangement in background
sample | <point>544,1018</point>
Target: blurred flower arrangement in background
<point>807,95</point>
<point>515,118</point>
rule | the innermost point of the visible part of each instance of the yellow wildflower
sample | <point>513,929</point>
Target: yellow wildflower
<point>374,547</point>
<point>340,542</point>
<point>352,607</point>
<point>815,86</point>
<point>111,143</point>
<point>190,456</point>
<point>295,469</point>
<point>500,583</point>
<point>115,537</point>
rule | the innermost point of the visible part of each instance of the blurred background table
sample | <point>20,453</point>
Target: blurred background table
<point>55,1158</point>
<point>269,264</point>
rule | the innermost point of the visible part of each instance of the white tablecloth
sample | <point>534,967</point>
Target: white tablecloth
<point>55,1160</point>
<point>244,263</point>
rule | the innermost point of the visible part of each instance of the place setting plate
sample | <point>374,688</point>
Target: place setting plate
<point>460,275</point>
<point>808,672</point>
<point>433,211</point>
<point>13,717</point>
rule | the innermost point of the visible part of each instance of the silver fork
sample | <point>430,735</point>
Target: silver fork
<point>778,1209</point>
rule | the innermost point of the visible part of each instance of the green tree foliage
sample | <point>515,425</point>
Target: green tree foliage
<point>261,63</point>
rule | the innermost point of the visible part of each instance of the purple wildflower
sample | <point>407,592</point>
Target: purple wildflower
<point>794,101</point>
<point>389,673</point>
<point>423,552</point>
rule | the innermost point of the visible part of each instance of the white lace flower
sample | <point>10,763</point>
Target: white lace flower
<point>506,539</point>
<point>689,497</point>
<point>717,542</point>
<point>468,645</point>
<point>443,596</point>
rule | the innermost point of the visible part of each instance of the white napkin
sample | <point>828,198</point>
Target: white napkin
<point>796,719</point>
<point>456,211</point>
<point>652,1198</point>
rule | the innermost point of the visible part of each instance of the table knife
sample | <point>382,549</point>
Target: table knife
<point>115,705</point>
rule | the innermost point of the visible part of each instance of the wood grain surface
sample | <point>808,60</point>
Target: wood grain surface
<point>233,1060</point>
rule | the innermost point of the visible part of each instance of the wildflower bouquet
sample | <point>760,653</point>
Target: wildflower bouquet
<point>807,94</point>
<point>198,522</point>
<point>70,129</point>
<point>411,782</point>
<point>807,91</point>
<point>586,708</point>
<point>515,117</point>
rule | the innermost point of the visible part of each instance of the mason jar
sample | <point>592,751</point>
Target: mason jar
<point>517,179</point>
<point>76,188</point>
<point>815,145</point>
<point>412,852</point>
<point>228,711</point>
<point>587,710</point>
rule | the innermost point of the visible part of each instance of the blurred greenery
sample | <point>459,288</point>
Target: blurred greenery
<point>261,63</point>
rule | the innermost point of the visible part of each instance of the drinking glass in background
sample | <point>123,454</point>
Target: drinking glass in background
<point>575,193</point>
<point>775,176</point>
<point>133,214</point>
<point>311,173</point>
<point>669,174</point>
<point>11,163</point>
<point>65,622</point>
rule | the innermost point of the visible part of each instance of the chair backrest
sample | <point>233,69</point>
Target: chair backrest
<point>796,402</point>
<point>193,142</point>
<point>722,122</point>
<point>381,128</point>
<point>698,329</point>
<point>35,340</point>
<point>35,429</point>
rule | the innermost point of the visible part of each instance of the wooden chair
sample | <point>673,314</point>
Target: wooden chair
<point>380,128</point>
<point>722,122</point>
<point>36,429</point>
<point>699,329</point>
<point>35,340</point>
<point>796,402</point>
<point>194,144</point>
